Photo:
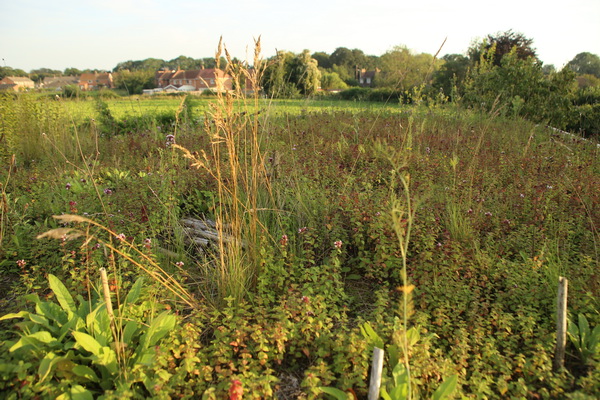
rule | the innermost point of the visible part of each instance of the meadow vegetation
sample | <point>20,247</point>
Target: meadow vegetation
<point>433,231</point>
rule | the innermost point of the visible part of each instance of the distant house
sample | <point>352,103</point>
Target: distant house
<point>94,81</point>
<point>16,83</point>
<point>365,78</point>
<point>194,80</point>
<point>59,82</point>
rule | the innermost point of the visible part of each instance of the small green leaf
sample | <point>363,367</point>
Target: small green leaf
<point>336,393</point>
<point>446,388</point>
<point>88,343</point>
<point>62,294</point>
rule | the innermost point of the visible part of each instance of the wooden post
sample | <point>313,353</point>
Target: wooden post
<point>561,324</point>
<point>376,370</point>
<point>106,291</point>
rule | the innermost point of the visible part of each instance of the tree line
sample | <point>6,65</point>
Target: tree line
<point>500,73</point>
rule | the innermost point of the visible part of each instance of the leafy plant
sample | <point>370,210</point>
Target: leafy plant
<point>585,340</point>
<point>81,349</point>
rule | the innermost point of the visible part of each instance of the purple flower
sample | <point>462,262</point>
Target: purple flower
<point>170,139</point>
<point>107,191</point>
<point>68,186</point>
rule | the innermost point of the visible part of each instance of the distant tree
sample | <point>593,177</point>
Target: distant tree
<point>277,77</point>
<point>585,63</point>
<point>323,59</point>
<point>134,82</point>
<point>347,61</point>
<point>451,73</point>
<point>331,80</point>
<point>548,69</point>
<point>38,75</point>
<point>587,80</point>
<point>289,75</point>
<point>8,71</point>
<point>519,87</point>
<point>71,72</point>
<point>503,43</point>
<point>402,69</point>
<point>305,73</point>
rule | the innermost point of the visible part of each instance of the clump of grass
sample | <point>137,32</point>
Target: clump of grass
<point>236,164</point>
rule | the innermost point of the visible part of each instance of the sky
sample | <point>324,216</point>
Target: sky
<point>85,34</point>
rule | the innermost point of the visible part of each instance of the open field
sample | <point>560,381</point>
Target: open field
<point>435,233</point>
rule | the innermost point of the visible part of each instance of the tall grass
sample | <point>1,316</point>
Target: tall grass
<point>236,163</point>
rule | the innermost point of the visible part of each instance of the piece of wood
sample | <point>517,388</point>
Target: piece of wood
<point>561,324</point>
<point>376,370</point>
<point>106,291</point>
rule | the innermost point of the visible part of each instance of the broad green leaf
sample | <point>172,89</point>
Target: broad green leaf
<point>336,393</point>
<point>130,329</point>
<point>20,314</point>
<point>108,358</point>
<point>446,388</point>
<point>46,365</point>
<point>43,321</point>
<point>594,340</point>
<point>62,294</point>
<point>413,336</point>
<point>372,337</point>
<point>584,330</point>
<point>573,332</point>
<point>88,343</point>
<point>85,372</point>
<point>78,392</point>
<point>74,324</point>
<point>384,394</point>
<point>52,311</point>
<point>134,292</point>
<point>159,327</point>
<point>399,392</point>
<point>400,375</point>
<point>37,340</point>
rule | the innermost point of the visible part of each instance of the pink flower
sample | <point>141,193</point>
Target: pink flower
<point>284,240</point>
<point>338,244</point>
<point>21,263</point>
<point>120,236</point>
<point>179,264</point>
<point>302,230</point>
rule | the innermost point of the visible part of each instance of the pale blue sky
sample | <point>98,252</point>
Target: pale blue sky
<point>99,34</point>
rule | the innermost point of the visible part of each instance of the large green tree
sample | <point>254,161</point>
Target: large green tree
<point>451,73</point>
<point>585,64</point>
<point>402,69</point>
<point>519,87</point>
<point>289,75</point>
<point>134,82</point>
<point>503,43</point>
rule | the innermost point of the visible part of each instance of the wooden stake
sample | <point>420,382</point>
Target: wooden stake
<point>376,370</point>
<point>561,324</point>
<point>106,291</point>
